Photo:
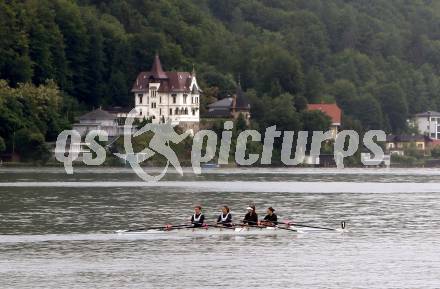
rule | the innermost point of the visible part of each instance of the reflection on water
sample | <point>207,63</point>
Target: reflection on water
<point>62,236</point>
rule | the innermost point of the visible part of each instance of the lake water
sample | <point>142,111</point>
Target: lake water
<point>56,230</point>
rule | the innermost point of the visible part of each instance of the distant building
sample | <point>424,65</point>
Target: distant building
<point>231,107</point>
<point>98,119</point>
<point>397,144</point>
<point>428,123</point>
<point>118,111</point>
<point>167,95</point>
<point>333,111</point>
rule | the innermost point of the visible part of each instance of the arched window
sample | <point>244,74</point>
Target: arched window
<point>176,111</point>
<point>186,110</point>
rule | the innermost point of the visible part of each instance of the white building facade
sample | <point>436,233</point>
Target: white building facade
<point>428,123</point>
<point>167,96</point>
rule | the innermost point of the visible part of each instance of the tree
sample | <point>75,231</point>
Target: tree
<point>2,145</point>
<point>280,111</point>
<point>394,105</point>
<point>300,103</point>
<point>314,85</point>
<point>15,63</point>
<point>31,146</point>
<point>346,50</point>
<point>345,93</point>
<point>435,152</point>
<point>278,71</point>
<point>315,121</point>
<point>240,123</point>
<point>368,111</point>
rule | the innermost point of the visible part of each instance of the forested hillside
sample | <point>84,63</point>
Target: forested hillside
<point>379,59</point>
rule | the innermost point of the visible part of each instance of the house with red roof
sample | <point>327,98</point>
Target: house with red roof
<point>333,111</point>
<point>167,96</point>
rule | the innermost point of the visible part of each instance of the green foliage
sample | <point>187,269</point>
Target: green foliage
<point>394,104</point>
<point>2,145</point>
<point>240,123</point>
<point>435,152</point>
<point>406,161</point>
<point>279,111</point>
<point>315,121</point>
<point>379,60</point>
<point>141,124</point>
<point>31,146</point>
<point>36,111</point>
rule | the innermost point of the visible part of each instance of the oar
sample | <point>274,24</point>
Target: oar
<point>157,227</point>
<point>262,227</point>
<point>221,226</point>
<point>314,227</point>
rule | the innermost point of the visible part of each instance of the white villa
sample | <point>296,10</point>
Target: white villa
<point>167,95</point>
<point>428,123</point>
<point>159,95</point>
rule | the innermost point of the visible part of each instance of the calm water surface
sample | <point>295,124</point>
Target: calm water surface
<point>56,230</point>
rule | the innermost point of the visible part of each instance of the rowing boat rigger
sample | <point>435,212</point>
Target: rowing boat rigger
<point>208,230</point>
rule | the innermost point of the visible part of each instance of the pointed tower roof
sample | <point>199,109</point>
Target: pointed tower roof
<point>193,72</point>
<point>242,103</point>
<point>156,70</point>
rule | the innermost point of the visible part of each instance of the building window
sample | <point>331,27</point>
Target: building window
<point>160,111</point>
<point>176,111</point>
<point>192,100</point>
<point>140,112</point>
<point>171,111</point>
<point>174,96</point>
<point>153,105</point>
<point>140,96</point>
<point>184,98</point>
<point>186,110</point>
<point>194,112</point>
<point>420,145</point>
<point>160,99</point>
<point>153,92</point>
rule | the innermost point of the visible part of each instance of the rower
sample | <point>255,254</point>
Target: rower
<point>251,217</point>
<point>198,218</point>
<point>271,218</point>
<point>225,218</point>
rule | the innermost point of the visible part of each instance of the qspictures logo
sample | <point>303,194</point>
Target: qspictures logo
<point>205,144</point>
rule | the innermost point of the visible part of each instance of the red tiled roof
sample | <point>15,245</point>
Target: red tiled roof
<point>170,81</point>
<point>330,109</point>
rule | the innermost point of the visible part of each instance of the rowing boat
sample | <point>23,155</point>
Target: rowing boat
<point>211,230</point>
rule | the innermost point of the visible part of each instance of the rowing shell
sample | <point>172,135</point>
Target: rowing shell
<point>222,231</point>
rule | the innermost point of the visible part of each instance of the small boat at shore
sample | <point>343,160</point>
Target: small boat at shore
<point>234,230</point>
